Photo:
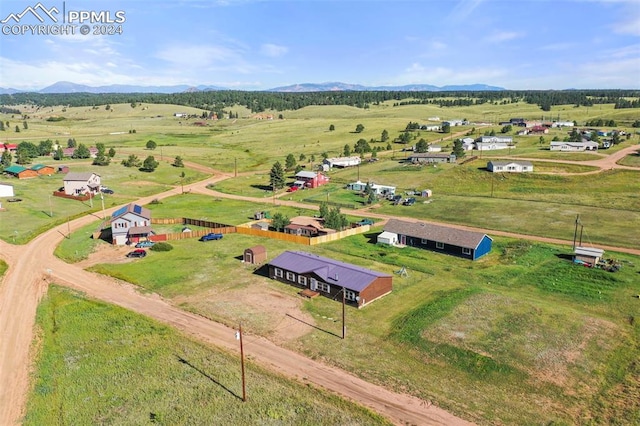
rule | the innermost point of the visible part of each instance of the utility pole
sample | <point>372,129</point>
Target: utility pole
<point>50,207</point>
<point>244,388</point>
<point>344,326</point>
<point>575,231</point>
<point>235,167</point>
<point>102,200</point>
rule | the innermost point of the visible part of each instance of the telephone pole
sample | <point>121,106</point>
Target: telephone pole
<point>244,387</point>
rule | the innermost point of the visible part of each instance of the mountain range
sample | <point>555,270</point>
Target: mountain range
<point>69,87</point>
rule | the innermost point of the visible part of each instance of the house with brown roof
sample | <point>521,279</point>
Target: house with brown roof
<point>438,238</point>
<point>330,278</point>
<point>307,227</point>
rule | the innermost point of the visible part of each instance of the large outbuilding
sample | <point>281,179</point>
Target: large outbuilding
<point>330,277</point>
<point>438,238</point>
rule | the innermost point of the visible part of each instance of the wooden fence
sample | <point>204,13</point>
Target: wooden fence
<point>246,229</point>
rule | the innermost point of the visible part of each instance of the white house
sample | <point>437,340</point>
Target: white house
<point>562,124</point>
<point>496,166</point>
<point>342,161</point>
<point>496,139</point>
<point>130,222</point>
<point>378,189</point>
<point>468,144</point>
<point>78,183</point>
<point>573,146</point>
<point>455,122</point>
<point>491,146</point>
<point>430,127</point>
<point>6,190</point>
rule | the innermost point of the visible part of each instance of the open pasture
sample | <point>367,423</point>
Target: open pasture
<point>100,364</point>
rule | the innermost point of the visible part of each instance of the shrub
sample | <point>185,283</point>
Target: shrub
<point>161,247</point>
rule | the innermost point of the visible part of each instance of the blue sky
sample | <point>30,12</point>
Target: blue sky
<point>257,45</point>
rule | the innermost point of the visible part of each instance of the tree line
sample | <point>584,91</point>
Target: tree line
<point>278,101</point>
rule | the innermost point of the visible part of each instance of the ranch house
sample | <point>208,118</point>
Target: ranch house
<point>496,166</point>
<point>438,238</point>
<point>431,157</point>
<point>330,277</point>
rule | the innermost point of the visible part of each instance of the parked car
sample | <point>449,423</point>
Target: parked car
<point>106,190</point>
<point>211,236</point>
<point>397,199</point>
<point>293,188</point>
<point>365,221</point>
<point>409,201</point>
<point>143,244</point>
<point>137,253</point>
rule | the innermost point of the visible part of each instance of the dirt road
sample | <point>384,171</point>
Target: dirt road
<point>33,266</point>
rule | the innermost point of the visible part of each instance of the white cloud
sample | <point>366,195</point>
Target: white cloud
<point>463,9</point>
<point>631,25</point>
<point>199,56</point>
<point>273,50</point>
<point>417,73</point>
<point>499,37</point>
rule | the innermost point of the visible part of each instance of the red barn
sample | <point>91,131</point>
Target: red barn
<point>312,179</point>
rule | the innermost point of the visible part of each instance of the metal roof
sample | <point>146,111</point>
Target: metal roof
<point>79,176</point>
<point>331,271</point>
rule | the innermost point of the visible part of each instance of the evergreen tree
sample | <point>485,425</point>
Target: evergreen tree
<point>332,128</point>
<point>458,149</point>
<point>81,152</point>
<point>385,136</point>
<point>29,149</point>
<point>132,161</point>
<point>22,157</point>
<point>45,147</point>
<point>422,146</point>
<point>359,128</point>
<point>335,219</point>
<point>71,143</point>
<point>290,162</point>
<point>17,129</point>
<point>5,160</point>
<point>112,152</point>
<point>324,209</point>
<point>101,158</point>
<point>177,162</point>
<point>151,145</point>
<point>150,164</point>
<point>346,150</point>
<point>58,153</point>
<point>446,128</point>
<point>279,221</point>
<point>276,176</point>
<point>1,126</point>
<point>25,125</point>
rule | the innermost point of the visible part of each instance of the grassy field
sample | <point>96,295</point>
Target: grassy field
<point>483,339</point>
<point>479,338</point>
<point>100,364</point>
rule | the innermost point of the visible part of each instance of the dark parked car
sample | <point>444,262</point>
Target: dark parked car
<point>409,201</point>
<point>137,253</point>
<point>211,236</point>
<point>106,190</point>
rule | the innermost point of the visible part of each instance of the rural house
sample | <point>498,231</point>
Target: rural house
<point>430,158</point>
<point>342,161</point>
<point>438,238</point>
<point>497,166</point>
<point>573,146</point>
<point>330,277</point>
<point>79,183</point>
<point>307,227</point>
<point>312,179</point>
<point>382,190</point>
<point>130,223</point>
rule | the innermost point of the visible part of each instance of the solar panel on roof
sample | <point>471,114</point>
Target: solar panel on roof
<point>137,209</point>
<point>120,211</point>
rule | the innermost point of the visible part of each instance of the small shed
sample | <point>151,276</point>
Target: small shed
<point>255,255</point>
<point>62,169</point>
<point>589,255</point>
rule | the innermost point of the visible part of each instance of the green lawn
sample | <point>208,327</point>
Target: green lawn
<point>478,338</point>
<point>100,364</point>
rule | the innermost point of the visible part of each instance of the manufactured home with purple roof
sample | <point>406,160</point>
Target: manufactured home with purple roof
<point>329,277</point>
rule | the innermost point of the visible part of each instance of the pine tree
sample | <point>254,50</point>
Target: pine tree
<point>276,176</point>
